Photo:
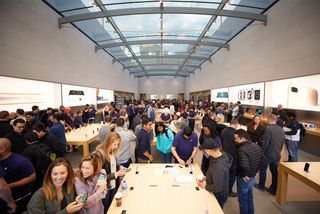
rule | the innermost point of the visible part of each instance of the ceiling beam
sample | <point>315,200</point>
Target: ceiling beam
<point>162,57</point>
<point>161,64</point>
<point>164,10</point>
<point>205,30</point>
<point>159,41</point>
<point>117,30</point>
<point>159,71</point>
<point>161,74</point>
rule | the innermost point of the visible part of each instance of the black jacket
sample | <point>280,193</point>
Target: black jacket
<point>217,176</point>
<point>228,144</point>
<point>249,157</point>
<point>5,128</point>
<point>18,142</point>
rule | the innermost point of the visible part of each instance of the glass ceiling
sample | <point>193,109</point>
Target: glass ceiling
<point>161,37</point>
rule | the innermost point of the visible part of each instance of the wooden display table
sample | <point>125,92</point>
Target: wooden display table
<point>157,191</point>
<point>311,131</point>
<point>296,169</point>
<point>83,136</point>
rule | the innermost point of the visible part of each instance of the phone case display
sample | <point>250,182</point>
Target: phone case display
<point>104,96</point>
<point>220,95</point>
<point>247,94</point>
<point>73,95</point>
<point>22,93</point>
<point>300,93</point>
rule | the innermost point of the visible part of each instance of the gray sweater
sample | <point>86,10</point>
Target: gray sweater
<point>273,141</point>
<point>218,174</point>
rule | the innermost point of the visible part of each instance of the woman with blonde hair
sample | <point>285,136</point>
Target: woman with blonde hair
<point>57,194</point>
<point>89,180</point>
<point>107,152</point>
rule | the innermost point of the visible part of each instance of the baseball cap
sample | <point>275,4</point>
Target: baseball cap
<point>210,143</point>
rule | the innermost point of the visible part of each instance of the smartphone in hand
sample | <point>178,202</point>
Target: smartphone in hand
<point>83,198</point>
<point>101,179</point>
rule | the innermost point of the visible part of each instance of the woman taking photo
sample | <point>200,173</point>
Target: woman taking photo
<point>256,130</point>
<point>208,131</point>
<point>108,151</point>
<point>87,182</point>
<point>164,141</point>
<point>57,194</point>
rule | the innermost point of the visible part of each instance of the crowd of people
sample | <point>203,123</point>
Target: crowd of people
<point>36,177</point>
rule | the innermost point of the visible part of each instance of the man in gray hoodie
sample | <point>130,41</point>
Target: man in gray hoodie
<point>217,177</point>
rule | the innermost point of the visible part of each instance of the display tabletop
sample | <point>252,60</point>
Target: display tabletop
<point>84,136</point>
<point>156,190</point>
<point>296,169</point>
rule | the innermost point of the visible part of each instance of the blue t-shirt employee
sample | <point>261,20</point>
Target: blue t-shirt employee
<point>184,146</point>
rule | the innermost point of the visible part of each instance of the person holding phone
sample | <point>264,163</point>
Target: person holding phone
<point>57,194</point>
<point>107,151</point>
<point>91,182</point>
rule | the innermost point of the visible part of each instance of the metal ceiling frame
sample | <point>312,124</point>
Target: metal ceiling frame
<point>205,30</point>
<point>158,41</point>
<point>122,37</point>
<point>201,40</point>
<point>156,10</point>
<point>159,70</point>
<point>161,64</point>
<point>161,74</point>
<point>164,57</point>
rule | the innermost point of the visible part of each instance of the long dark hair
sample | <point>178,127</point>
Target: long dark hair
<point>164,129</point>
<point>213,131</point>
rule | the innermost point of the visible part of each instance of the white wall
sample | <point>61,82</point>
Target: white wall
<point>32,46</point>
<point>287,47</point>
<point>162,86</point>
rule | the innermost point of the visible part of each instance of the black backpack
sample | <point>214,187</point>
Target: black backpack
<point>303,131</point>
<point>45,156</point>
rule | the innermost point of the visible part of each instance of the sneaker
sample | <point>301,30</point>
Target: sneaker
<point>233,194</point>
<point>270,191</point>
<point>259,188</point>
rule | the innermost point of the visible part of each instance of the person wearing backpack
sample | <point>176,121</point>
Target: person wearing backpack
<point>164,141</point>
<point>292,133</point>
<point>40,155</point>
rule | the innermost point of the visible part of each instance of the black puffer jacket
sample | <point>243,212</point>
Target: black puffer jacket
<point>249,156</point>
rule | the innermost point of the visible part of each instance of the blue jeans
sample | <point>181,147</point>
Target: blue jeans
<point>245,196</point>
<point>166,157</point>
<point>232,175</point>
<point>292,147</point>
<point>273,163</point>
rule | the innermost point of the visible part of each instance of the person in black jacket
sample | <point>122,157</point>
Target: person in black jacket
<point>4,123</point>
<point>16,136</point>
<point>217,176</point>
<point>229,146</point>
<point>249,156</point>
